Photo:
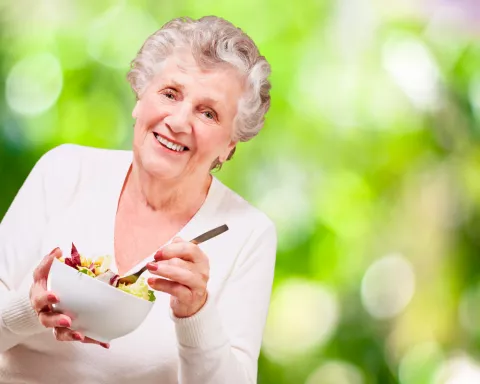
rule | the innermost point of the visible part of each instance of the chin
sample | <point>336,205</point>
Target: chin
<point>161,169</point>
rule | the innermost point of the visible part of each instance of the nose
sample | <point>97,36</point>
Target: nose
<point>179,120</point>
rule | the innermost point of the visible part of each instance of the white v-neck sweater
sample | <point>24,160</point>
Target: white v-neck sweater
<point>72,194</point>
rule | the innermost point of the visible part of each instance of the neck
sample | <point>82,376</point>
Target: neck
<point>178,197</point>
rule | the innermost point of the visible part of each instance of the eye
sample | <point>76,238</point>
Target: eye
<point>169,94</point>
<point>210,115</point>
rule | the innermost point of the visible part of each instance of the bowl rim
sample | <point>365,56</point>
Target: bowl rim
<point>103,284</point>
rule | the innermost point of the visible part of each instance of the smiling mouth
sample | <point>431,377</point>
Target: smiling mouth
<point>170,145</point>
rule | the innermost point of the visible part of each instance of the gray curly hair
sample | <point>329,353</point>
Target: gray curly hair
<point>212,41</point>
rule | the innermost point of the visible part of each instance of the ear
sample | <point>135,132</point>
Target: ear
<point>224,155</point>
<point>135,110</point>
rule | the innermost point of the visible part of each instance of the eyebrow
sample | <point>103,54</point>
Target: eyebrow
<point>177,84</point>
<point>209,100</point>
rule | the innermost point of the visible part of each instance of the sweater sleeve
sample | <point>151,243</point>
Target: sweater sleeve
<point>218,349</point>
<point>21,232</point>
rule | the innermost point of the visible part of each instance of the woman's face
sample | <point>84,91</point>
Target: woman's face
<point>184,118</point>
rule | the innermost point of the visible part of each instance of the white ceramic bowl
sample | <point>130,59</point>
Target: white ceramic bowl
<point>97,309</point>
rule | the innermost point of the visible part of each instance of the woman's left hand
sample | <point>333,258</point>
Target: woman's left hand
<point>184,272</point>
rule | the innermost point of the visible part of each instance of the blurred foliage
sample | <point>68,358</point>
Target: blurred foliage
<point>368,164</point>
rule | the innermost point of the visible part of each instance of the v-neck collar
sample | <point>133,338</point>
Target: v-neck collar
<point>191,229</point>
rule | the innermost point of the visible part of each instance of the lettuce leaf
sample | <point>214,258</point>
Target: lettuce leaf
<point>86,271</point>
<point>139,289</point>
<point>151,295</point>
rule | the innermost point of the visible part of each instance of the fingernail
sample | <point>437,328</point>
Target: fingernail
<point>152,266</point>
<point>158,255</point>
<point>77,336</point>
<point>105,345</point>
<point>150,281</point>
<point>51,253</point>
<point>52,298</point>
<point>64,323</point>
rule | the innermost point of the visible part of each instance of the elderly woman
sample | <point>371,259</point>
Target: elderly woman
<point>201,88</point>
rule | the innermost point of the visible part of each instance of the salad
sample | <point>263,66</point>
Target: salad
<point>99,269</point>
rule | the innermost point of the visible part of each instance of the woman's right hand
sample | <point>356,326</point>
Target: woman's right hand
<point>42,301</point>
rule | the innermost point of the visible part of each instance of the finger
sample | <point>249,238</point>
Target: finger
<point>180,291</point>
<point>182,250</point>
<point>202,268</point>
<point>178,274</point>
<point>42,270</point>
<point>41,298</point>
<point>65,334</point>
<point>53,319</point>
<point>88,340</point>
<point>177,263</point>
<point>158,254</point>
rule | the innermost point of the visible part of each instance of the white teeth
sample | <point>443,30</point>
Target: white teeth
<point>169,144</point>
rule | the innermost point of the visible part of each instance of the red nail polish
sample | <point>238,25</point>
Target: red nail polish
<point>150,280</point>
<point>158,255</point>
<point>77,336</point>
<point>105,345</point>
<point>64,323</point>
<point>52,298</point>
<point>152,266</point>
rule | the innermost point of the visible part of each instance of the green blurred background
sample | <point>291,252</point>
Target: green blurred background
<point>368,164</point>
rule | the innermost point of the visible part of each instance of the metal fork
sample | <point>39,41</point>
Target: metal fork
<point>130,279</point>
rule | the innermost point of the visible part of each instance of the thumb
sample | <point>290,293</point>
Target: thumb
<point>158,254</point>
<point>42,270</point>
